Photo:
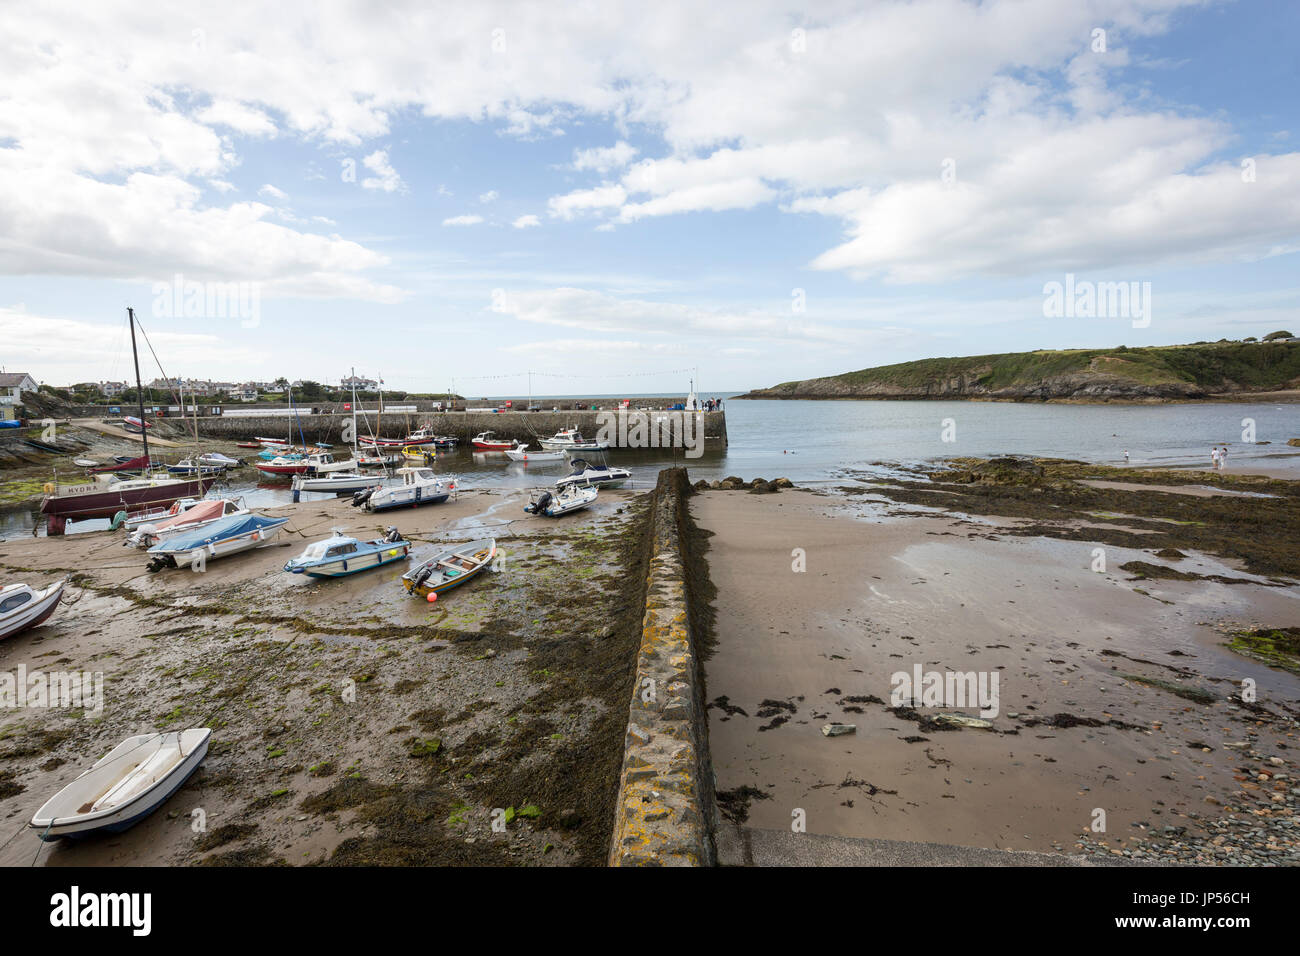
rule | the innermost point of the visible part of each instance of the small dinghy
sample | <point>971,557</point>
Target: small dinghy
<point>85,463</point>
<point>188,466</point>
<point>450,568</point>
<point>226,536</point>
<point>339,556</point>
<point>23,607</point>
<point>552,504</point>
<point>523,454</point>
<point>125,786</point>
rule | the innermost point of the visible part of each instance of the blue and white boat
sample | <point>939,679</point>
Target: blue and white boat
<point>227,536</point>
<point>188,466</point>
<point>420,486</point>
<point>123,787</point>
<point>340,555</point>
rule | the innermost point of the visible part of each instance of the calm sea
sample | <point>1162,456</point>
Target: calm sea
<point>823,441</point>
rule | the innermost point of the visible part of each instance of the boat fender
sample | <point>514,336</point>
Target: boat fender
<point>119,519</point>
<point>49,487</point>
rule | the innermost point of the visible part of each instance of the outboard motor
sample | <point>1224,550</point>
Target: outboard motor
<point>542,503</point>
<point>362,496</point>
<point>393,536</point>
<point>424,575</point>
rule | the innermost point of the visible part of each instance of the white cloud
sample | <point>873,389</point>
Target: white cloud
<point>271,192</point>
<point>489,196</point>
<point>470,220</point>
<point>243,119</point>
<point>385,178</point>
<point>582,201</point>
<point>603,159</point>
<point>526,222</point>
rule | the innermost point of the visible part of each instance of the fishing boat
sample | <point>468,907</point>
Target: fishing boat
<point>108,494</point>
<point>445,441</point>
<point>487,441</point>
<point>376,461</point>
<point>334,483</point>
<point>560,502</point>
<point>340,556</point>
<point>585,474</point>
<point>122,788</point>
<point>282,466</point>
<point>421,436</point>
<point>23,606</point>
<point>523,454</point>
<point>570,439</point>
<point>450,568</point>
<point>420,486</point>
<point>421,453</point>
<point>201,514</point>
<point>227,536</point>
<point>188,466</point>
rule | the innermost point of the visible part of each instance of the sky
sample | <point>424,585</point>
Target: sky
<point>625,197</point>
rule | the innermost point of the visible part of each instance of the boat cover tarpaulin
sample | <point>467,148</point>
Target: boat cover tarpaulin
<point>231,527</point>
<point>203,511</point>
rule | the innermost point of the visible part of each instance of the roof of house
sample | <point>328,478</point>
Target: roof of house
<point>13,378</point>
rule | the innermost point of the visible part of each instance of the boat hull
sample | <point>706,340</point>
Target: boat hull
<point>218,549</point>
<point>402,498</point>
<point>60,509</point>
<point>32,615</point>
<point>438,587</point>
<point>81,826</point>
<point>354,563</point>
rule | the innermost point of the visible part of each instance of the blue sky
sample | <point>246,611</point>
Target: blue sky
<point>692,179</point>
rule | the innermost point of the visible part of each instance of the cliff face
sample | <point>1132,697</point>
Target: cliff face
<point>1086,375</point>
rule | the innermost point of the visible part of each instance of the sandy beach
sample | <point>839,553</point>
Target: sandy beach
<point>1117,692</point>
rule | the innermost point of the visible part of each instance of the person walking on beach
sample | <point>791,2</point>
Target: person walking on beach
<point>1214,457</point>
<point>1126,456</point>
<point>1223,456</point>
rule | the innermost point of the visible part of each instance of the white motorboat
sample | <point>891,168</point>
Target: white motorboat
<point>201,514</point>
<point>420,486</point>
<point>340,555</point>
<point>23,606</point>
<point>333,483</point>
<point>324,463</point>
<point>216,458</point>
<point>122,788</point>
<point>570,439</point>
<point>586,474</point>
<point>552,504</point>
<point>523,454</point>
<point>134,519</point>
<point>377,461</point>
<point>227,536</point>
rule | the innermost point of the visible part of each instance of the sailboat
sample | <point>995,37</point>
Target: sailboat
<point>108,494</point>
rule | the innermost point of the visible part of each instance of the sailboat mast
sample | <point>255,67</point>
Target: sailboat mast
<point>354,412</point>
<point>139,391</point>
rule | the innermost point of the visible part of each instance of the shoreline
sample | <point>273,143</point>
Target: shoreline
<point>1284,396</point>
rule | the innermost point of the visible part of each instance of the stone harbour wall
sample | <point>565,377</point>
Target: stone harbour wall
<point>665,806</point>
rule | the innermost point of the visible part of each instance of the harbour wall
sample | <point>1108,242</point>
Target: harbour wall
<point>524,426</point>
<point>664,814</point>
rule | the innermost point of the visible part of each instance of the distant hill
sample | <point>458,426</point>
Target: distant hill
<point>1120,374</point>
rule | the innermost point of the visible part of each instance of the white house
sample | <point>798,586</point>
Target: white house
<point>12,386</point>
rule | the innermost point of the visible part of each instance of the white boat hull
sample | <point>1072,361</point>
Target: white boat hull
<point>344,484</point>
<point>33,613</point>
<point>219,549</point>
<point>140,767</point>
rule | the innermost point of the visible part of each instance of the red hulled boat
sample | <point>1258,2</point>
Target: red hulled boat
<point>108,495</point>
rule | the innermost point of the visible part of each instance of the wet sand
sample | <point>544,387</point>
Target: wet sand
<point>351,722</point>
<point>882,593</point>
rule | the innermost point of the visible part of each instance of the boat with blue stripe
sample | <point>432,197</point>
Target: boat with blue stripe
<point>340,555</point>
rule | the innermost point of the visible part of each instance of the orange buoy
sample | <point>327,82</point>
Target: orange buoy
<point>431,596</point>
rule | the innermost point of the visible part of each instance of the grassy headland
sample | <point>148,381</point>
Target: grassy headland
<point>1159,373</point>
